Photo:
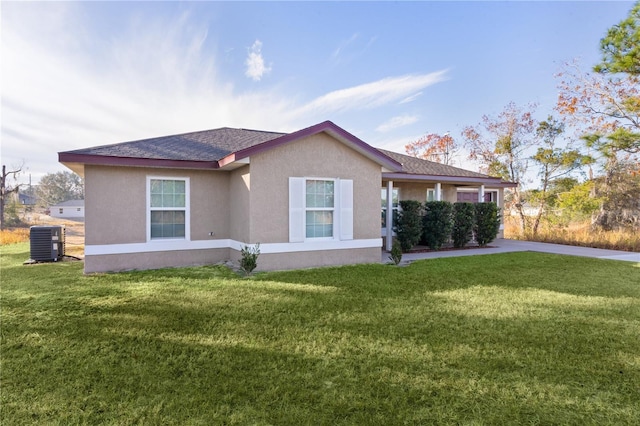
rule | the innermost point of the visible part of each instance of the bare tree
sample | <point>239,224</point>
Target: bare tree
<point>5,190</point>
<point>500,143</point>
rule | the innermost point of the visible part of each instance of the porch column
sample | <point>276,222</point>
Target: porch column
<point>389,224</point>
<point>481,194</point>
<point>438,191</point>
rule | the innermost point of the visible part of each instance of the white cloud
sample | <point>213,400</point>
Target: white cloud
<point>375,94</point>
<point>410,98</point>
<point>395,122</point>
<point>157,77</point>
<point>343,44</point>
<point>256,67</point>
<point>65,88</point>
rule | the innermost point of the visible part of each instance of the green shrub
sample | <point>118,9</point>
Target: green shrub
<point>249,259</point>
<point>408,226</point>
<point>437,223</point>
<point>396,253</point>
<point>487,223</point>
<point>464,217</point>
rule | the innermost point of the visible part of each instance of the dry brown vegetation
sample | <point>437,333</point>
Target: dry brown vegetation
<point>577,234</point>
<point>74,233</point>
<point>13,236</point>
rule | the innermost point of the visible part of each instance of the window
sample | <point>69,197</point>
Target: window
<point>167,214</point>
<point>320,202</point>
<point>320,209</point>
<point>383,203</point>
<point>61,211</point>
<point>431,195</point>
<point>78,209</point>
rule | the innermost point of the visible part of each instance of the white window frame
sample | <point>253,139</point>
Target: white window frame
<point>433,192</point>
<point>186,208</point>
<point>323,209</point>
<point>383,207</point>
<point>342,210</point>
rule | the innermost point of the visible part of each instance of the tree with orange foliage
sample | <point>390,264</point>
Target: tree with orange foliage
<point>433,147</point>
<point>501,145</point>
<point>605,106</point>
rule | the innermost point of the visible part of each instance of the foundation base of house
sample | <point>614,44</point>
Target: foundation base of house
<point>313,259</point>
<point>266,261</point>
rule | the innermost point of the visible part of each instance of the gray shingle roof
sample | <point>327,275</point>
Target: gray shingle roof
<point>418,166</point>
<point>70,203</point>
<point>212,146</point>
<point>207,145</point>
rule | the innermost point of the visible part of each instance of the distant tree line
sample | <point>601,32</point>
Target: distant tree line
<point>595,173</point>
<point>52,189</point>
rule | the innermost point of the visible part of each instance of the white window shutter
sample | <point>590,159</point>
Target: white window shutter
<point>296,210</point>
<point>346,209</point>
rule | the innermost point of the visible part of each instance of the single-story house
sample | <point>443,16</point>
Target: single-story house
<point>310,198</point>
<point>67,209</point>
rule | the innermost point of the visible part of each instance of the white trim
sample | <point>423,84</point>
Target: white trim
<point>345,209</point>
<point>335,231</point>
<point>342,209</point>
<point>269,248</point>
<point>388,226</point>
<point>187,208</point>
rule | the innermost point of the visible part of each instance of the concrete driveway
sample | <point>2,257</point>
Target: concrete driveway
<point>507,246</point>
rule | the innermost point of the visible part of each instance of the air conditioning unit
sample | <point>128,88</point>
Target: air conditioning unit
<point>47,243</point>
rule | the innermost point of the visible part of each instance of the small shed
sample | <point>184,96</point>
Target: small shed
<point>70,208</point>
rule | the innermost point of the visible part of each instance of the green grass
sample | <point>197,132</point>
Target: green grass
<point>520,338</point>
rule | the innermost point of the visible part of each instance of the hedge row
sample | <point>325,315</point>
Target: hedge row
<point>435,223</point>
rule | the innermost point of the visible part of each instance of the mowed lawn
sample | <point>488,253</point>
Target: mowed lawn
<point>520,338</point>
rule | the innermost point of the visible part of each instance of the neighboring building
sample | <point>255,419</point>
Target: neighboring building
<point>310,198</point>
<point>26,200</point>
<point>68,209</point>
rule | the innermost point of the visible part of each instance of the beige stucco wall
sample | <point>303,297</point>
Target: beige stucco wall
<point>116,214</point>
<point>449,193</point>
<point>311,259</point>
<point>153,260</point>
<point>412,191</point>
<point>116,203</point>
<point>249,204</point>
<point>418,191</point>
<point>209,205</point>
<point>318,156</point>
<point>239,204</point>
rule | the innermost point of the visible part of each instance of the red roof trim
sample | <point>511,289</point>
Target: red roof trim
<point>325,126</point>
<point>456,179</point>
<point>102,160</point>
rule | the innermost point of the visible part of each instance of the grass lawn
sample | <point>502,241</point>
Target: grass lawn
<point>519,338</point>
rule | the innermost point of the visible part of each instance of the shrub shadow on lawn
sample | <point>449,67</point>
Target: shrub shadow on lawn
<point>308,359</point>
<point>498,339</point>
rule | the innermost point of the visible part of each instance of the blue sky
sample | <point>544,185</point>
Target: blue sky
<point>82,74</point>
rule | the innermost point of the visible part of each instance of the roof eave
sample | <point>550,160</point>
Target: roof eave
<point>327,127</point>
<point>103,160</point>
<point>495,182</point>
